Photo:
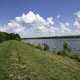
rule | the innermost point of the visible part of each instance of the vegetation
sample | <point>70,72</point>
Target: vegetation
<point>65,51</point>
<point>44,47</point>
<point>76,57</point>
<point>19,61</point>
<point>66,47</point>
<point>8,36</point>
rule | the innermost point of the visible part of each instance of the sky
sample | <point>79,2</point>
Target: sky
<point>31,18</point>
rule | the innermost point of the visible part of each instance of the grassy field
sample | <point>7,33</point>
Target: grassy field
<point>19,61</point>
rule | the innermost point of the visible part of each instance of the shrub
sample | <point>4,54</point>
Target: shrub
<point>6,36</point>
<point>66,50</point>
<point>76,57</point>
<point>30,44</point>
<point>39,47</point>
<point>62,52</point>
<point>13,36</point>
<point>59,53</point>
<point>42,47</point>
<point>66,47</point>
<point>45,47</point>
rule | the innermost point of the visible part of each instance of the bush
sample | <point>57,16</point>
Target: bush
<point>62,52</point>
<point>42,47</point>
<point>76,57</point>
<point>66,47</point>
<point>45,47</point>
<point>6,36</point>
<point>13,36</point>
<point>39,47</point>
<point>59,53</point>
<point>66,50</point>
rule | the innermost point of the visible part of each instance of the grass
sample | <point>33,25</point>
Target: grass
<point>19,61</point>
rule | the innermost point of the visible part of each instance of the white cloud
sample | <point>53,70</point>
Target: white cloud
<point>50,20</point>
<point>58,16</point>
<point>77,14</point>
<point>31,24</point>
<point>76,23</point>
<point>64,27</point>
<point>27,18</point>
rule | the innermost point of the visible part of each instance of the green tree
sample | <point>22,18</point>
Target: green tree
<point>6,36</point>
<point>66,49</point>
<point>66,46</point>
<point>46,47</point>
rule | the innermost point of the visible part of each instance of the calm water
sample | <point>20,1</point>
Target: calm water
<point>74,43</point>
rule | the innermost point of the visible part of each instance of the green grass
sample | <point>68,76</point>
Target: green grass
<point>19,61</point>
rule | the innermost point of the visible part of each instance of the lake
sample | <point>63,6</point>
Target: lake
<point>56,42</point>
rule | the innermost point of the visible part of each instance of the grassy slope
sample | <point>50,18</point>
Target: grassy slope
<point>19,61</point>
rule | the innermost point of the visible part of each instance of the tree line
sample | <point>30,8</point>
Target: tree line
<point>9,36</point>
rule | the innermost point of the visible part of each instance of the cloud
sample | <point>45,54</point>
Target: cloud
<point>77,14</point>
<point>50,20</point>
<point>32,24</point>
<point>29,18</point>
<point>64,27</point>
<point>76,22</point>
<point>58,16</point>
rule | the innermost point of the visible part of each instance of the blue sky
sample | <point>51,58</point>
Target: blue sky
<point>62,9</point>
<point>9,9</point>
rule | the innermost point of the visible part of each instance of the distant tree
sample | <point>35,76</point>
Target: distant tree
<point>18,37</point>
<point>3,36</point>
<point>66,46</point>
<point>66,49</point>
<point>14,36</point>
<point>46,47</point>
<point>6,36</point>
<point>39,46</point>
<point>42,47</point>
